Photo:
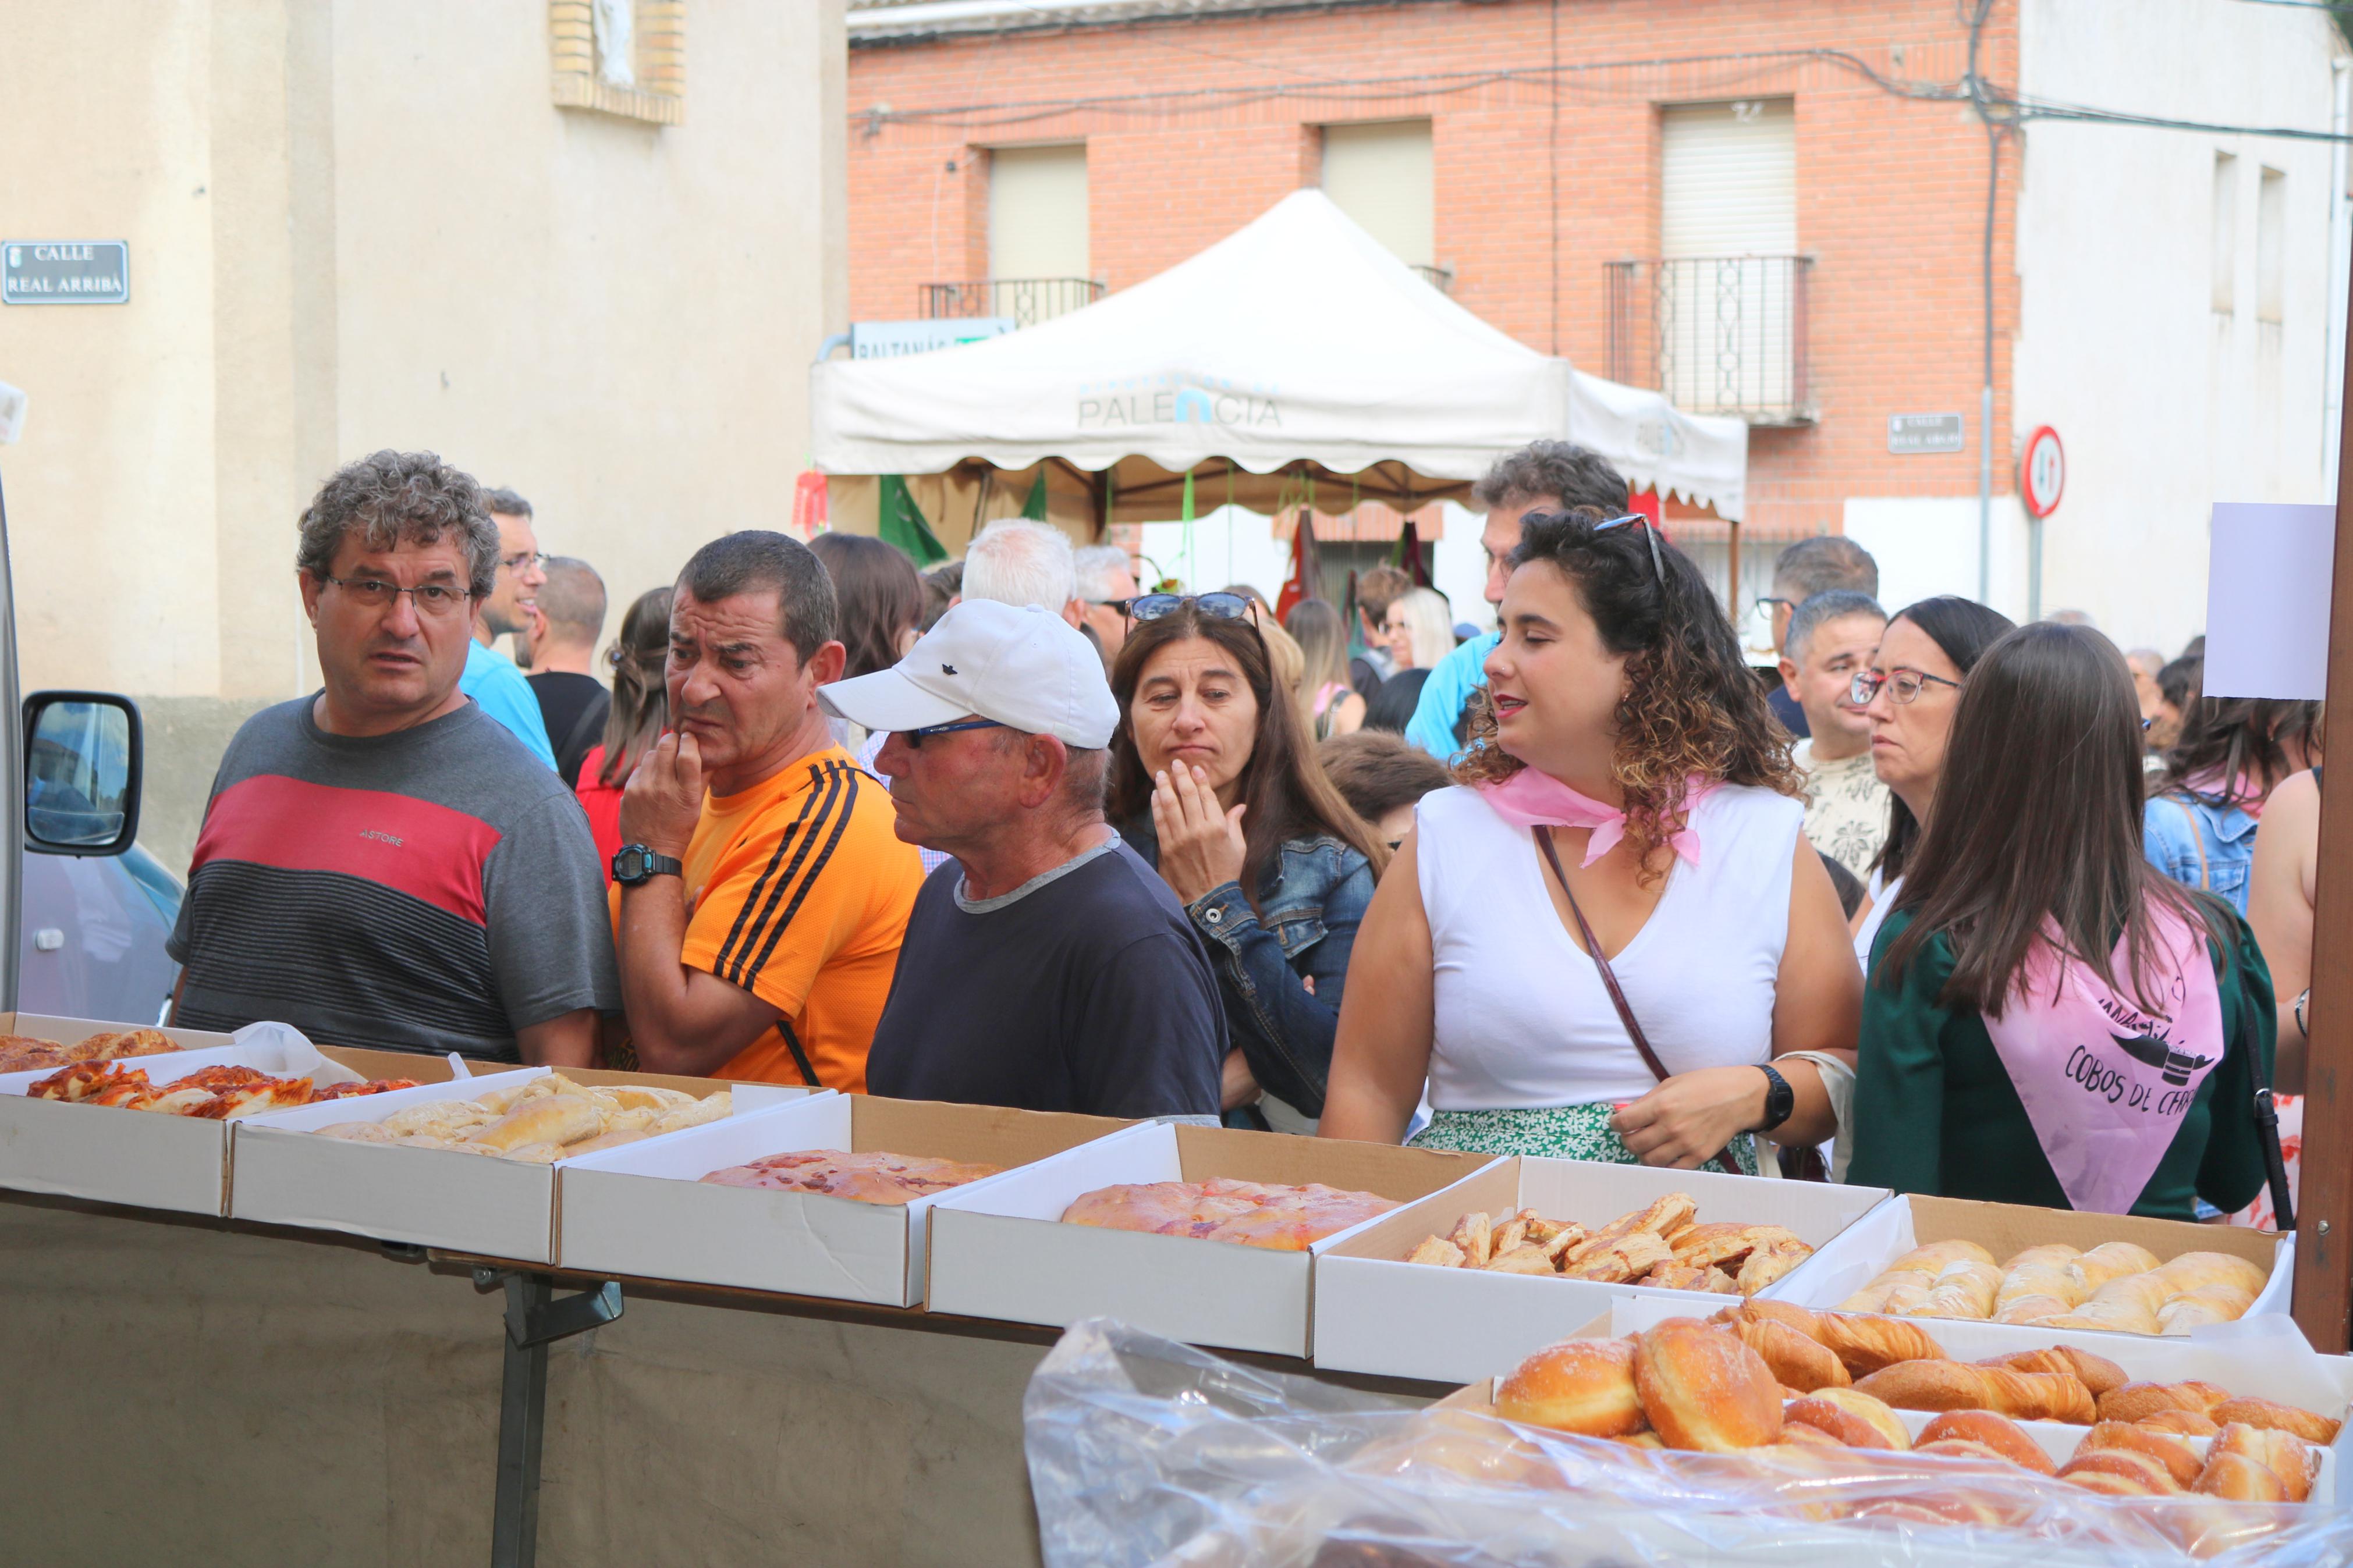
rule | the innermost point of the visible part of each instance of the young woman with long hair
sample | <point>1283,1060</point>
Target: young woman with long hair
<point>2199,826</point>
<point>1214,783</point>
<point>1628,799</point>
<point>2050,1020</point>
<point>1332,706</point>
<point>878,599</point>
<point>640,713</point>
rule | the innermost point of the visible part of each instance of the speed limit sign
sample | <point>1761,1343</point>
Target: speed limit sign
<point>2042,472</point>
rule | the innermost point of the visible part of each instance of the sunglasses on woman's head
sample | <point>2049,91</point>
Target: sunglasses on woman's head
<point>1651,533</point>
<point>1223,607</point>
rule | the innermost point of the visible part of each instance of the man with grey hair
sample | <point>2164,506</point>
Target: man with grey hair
<point>565,625</point>
<point>1106,584</point>
<point>1827,563</point>
<point>380,864</point>
<point>1017,562</point>
<point>491,677</point>
<point>1830,641</point>
<point>1543,476</point>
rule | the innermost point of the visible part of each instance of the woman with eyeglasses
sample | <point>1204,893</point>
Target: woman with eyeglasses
<point>2050,1020</point>
<point>1610,941</point>
<point>1213,781</point>
<point>1908,694</point>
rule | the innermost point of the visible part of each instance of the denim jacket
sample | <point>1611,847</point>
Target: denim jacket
<point>2174,831</point>
<point>1306,926</point>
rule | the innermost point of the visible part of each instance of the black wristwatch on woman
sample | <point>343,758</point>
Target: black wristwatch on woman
<point>1780,1099</point>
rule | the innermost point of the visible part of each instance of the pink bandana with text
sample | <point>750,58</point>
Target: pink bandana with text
<point>1531,798</point>
<point>2106,1084</point>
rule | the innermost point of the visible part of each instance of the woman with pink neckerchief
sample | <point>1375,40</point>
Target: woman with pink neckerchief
<point>1610,941</point>
<point>2051,1020</point>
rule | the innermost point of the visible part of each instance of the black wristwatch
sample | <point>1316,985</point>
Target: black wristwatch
<point>633,863</point>
<point>1780,1099</point>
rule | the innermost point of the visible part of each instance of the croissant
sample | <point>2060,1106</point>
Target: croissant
<point>2097,1372</point>
<point>2215,1303</point>
<point>1997,1433</point>
<point>2180,1462</point>
<point>1799,1363</point>
<point>1953,1386</point>
<point>2284,1454</point>
<point>1705,1390</point>
<point>2272,1416</point>
<point>1856,1419</point>
<point>2136,1401</point>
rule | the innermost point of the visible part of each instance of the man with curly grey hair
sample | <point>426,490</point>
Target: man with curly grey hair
<point>380,864</point>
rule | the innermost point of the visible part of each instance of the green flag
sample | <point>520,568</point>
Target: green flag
<point>902,524</point>
<point>1034,509</point>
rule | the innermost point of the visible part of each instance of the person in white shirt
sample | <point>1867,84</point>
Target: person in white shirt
<point>1611,941</point>
<point>1831,638</point>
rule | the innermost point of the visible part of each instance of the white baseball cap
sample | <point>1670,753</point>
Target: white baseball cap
<point>1028,669</point>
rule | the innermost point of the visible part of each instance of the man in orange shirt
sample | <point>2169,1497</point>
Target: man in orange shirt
<point>758,923</point>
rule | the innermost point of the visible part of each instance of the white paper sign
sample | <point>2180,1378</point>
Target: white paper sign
<point>2267,590</point>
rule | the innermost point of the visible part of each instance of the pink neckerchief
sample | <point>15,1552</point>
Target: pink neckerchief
<point>2243,794</point>
<point>1530,798</point>
<point>2105,1084</point>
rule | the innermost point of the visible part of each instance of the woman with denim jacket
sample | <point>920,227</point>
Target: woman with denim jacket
<point>1213,782</point>
<point>2199,824</point>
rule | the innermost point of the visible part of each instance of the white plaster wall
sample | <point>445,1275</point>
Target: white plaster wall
<point>1928,546</point>
<point>2164,406</point>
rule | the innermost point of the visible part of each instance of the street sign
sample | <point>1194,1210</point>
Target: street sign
<point>888,339</point>
<point>2042,472</point>
<point>1908,435</point>
<point>64,271</point>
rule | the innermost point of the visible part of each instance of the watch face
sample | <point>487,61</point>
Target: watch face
<point>630,865</point>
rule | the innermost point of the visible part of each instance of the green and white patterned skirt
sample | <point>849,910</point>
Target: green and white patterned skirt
<point>1553,1131</point>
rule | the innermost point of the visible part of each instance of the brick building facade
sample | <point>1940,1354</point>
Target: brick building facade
<point>1546,127</point>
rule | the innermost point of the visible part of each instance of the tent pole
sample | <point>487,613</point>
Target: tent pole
<point>1734,608</point>
<point>1099,483</point>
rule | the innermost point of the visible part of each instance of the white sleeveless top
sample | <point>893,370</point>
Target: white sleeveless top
<point>1521,1018</point>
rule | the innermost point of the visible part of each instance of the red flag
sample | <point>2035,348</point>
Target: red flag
<point>808,505</point>
<point>1305,577</point>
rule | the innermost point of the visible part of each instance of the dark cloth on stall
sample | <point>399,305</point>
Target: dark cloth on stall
<point>1085,989</point>
<point>574,707</point>
<point>432,889</point>
<point>1935,1110</point>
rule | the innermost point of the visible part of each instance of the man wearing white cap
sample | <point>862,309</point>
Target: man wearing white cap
<point>1046,967</point>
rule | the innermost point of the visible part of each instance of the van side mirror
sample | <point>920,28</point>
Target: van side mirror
<point>83,760</point>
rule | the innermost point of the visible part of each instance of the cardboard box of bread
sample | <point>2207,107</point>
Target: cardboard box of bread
<point>64,1130</point>
<point>1829,1393</point>
<point>467,1164</point>
<point>2025,1267</point>
<point>1519,1254</point>
<point>1202,1234</point>
<point>825,1197</point>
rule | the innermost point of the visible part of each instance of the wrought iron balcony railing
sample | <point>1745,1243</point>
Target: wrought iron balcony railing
<point>1437,278</point>
<point>1718,334</point>
<point>1029,300</point>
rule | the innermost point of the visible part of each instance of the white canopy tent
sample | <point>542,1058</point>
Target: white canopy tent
<point>1296,348</point>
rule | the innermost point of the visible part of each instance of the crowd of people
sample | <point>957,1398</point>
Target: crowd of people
<point>1942,903</point>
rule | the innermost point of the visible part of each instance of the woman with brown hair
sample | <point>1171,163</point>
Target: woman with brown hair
<point>1213,782</point>
<point>2049,1019</point>
<point>640,713</point>
<point>1610,941</point>
<point>1331,705</point>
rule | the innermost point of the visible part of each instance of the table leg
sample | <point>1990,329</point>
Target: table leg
<point>535,1320</point>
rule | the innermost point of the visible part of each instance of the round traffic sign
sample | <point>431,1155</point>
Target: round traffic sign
<point>2042,472</point>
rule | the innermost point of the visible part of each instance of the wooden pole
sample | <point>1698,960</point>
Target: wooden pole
<point>2324,1265</point>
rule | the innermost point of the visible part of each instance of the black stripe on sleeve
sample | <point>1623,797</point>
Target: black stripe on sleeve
<point>828,803</point>
<point>744,910</point>
<point>841,826</point>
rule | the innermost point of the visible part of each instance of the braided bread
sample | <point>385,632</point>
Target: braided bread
<point>2097,1372</point>
<point>2135,1401</point>
<point>1955,1386</point>
<point>1864,1344</point>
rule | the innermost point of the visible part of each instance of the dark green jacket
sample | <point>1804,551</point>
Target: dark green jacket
<point>1935,1113</point>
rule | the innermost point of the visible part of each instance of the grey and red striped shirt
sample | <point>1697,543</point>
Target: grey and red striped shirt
<point>432,889</point>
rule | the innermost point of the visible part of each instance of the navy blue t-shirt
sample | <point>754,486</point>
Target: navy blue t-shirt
<point>1086,989</point>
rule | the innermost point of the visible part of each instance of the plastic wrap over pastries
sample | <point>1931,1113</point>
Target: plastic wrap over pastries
<point>1660,1244</point>
<point>1255,1213</point>
<point>1142,1451</point>
<point>551,1118</point>
<point>218,1093</point>
<point>2118,1286</point>
<point>28,1053</point>
<point>872,1177</point>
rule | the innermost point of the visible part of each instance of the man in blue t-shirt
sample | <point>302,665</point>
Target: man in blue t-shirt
<point>490,678</point>
<point>1046,966</point>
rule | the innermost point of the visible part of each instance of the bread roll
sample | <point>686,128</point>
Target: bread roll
<point>1855,1420</point>
<point>1953,1386</point>
<point>2275,1417</point>
<point>358,1132</point>
<point>2031,1309</point>
<point>1964,1289</point>
<point>2285,1455</point>
<point>2142,1468</point>
<point>602,1141</point>
<point>2194,1309</point>
<point>439,1117</point>
<point>2240,1478</point>
<point>1907,1295</point>
<point>529,1154</point>
<point>1872,1296</point>
<point>1797,1362</point>
<point>715,1107</point>
<point>1999,1433</point>
<point>2193,1270</point>
<point>2135,1401</point>
<point>2097,1372</point>
<point>1584,1387</point>
<point>556,1118</point>
<point>2181,1423</point>
<point>2109,1261</point>
<point>1703,1390</point>
<point>1934,1258</point>
<point>2123,1315</point>
<point>2180,1462</point>
<point>2037,1271</point>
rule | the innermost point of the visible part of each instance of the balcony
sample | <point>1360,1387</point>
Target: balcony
<point>1437,278</point>
<point>1028,300</point>
<point>1718,334</point>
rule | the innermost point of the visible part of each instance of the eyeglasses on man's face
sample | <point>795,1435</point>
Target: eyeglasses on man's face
<point>915,737</point>
<point>524,560</point>
<point>433,599</point>
<point>1903,685</point>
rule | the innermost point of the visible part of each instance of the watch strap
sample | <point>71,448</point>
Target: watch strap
<point>1778,1097</point>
